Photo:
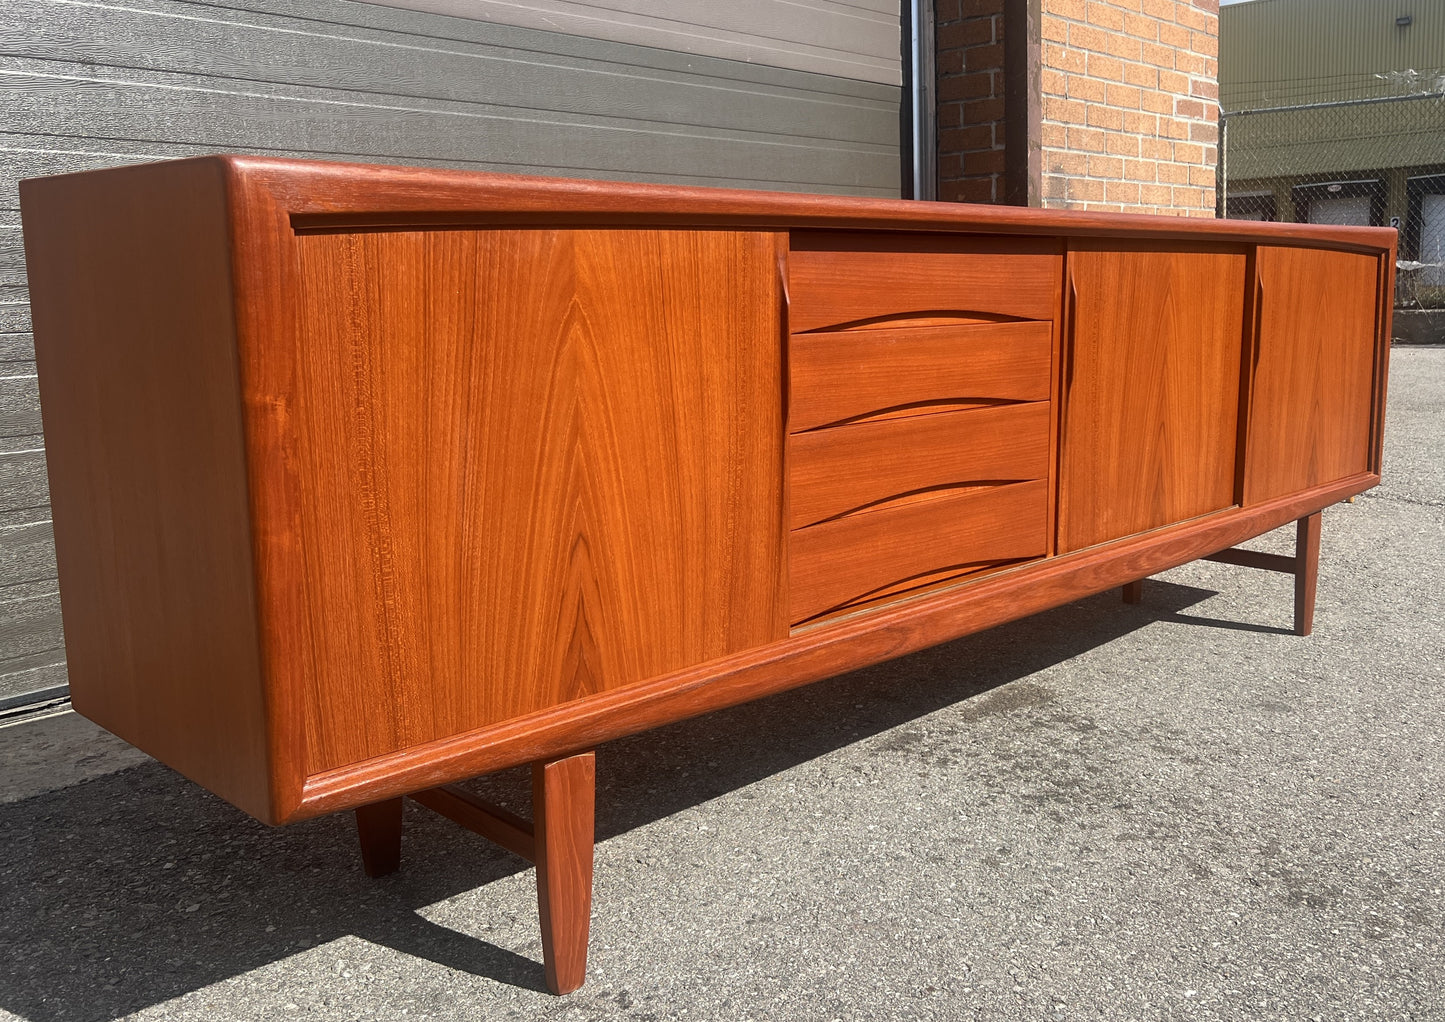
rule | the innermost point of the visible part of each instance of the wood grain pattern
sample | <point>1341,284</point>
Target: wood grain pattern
<point>268,293</point>
<point>833,471</point>
<point>1311,411</point>
<point>1306,572</point>
<point>843,278</point>
<point>814,653</point>
<point>835,376</point>
<point>329,196</point>
<point>563,806</point>
<point>837,562</point>
<point>494,823</point>
<point>378,828</point>
<point>1385,306</point>
<point>1151,389</point>
<point>538,465</point>
<point>136,346</point>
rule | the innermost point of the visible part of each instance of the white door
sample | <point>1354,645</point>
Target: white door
<point>1432,238</point>
<point>1353,211</point>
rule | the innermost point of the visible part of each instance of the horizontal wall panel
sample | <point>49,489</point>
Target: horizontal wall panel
<point>271,51</point>
<point>27,546</point>
<point>19,402</point>
<point>14,316</point>
<point>29,621</point>
<point>410,64</point>
<point>16,347</point>
<point>859,39</point>
<point>12,255</point>
<point>342,124</point>
<point>23,156</point>
<point>38,672</point>
<point>23,483</point>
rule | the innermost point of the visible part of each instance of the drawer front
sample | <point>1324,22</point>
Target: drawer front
<point>838,376</point>
<point>840,562</point>
<point>835,471</point>
<point>844,278</point>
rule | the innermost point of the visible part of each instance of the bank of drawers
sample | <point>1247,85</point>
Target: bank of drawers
<point>919,416</point>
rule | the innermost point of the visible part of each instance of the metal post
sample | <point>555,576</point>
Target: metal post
<point>923,122</point>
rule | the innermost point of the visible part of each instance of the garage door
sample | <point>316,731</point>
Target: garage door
<point>750,93</point>
<point>1432,238</point>
<point>1353,211</point>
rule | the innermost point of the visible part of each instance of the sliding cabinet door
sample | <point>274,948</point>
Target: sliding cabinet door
<point>1311,409</point>
<point>1151,387</point>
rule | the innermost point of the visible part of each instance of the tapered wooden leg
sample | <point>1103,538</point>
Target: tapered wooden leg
<point>1134,591</point>
<point>563,794</point>
<point>379,827</point>
<point>1306,572</point>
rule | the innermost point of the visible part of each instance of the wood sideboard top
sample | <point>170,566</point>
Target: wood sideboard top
<point>321,195</point>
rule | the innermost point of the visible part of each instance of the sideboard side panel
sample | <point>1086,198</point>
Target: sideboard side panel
<point>1312,400</point>
<point>540,464</point>
<point>130,276</point>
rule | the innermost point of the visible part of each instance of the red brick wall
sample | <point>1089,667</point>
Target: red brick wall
<point>1130,105</point>
<point>1127,104</point>
<point>969,55</point>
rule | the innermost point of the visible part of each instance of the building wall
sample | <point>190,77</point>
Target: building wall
<point>1129,105</point>
<point>845,38</point>
<point>970,68</point>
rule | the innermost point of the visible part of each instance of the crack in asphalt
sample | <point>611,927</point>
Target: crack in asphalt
<point>1403,499</point>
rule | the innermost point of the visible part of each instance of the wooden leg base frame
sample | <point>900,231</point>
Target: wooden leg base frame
<point>1304,565</point>
<point>558,842</point>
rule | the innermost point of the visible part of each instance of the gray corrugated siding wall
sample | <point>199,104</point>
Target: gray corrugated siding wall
<point>847,38</point>
<point>84,86</point>
<point>1289,52</point>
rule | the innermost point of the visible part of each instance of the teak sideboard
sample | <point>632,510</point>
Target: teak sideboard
<point>367,480</point>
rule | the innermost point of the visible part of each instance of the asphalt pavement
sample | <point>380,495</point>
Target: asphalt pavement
<point>1172,810</point>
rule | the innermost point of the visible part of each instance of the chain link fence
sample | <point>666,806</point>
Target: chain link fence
<point>1377,157</point>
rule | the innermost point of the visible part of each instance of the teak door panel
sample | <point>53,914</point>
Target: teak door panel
<point>538,465</point>
<point>1151,388</point>
<point>1310,403</point>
